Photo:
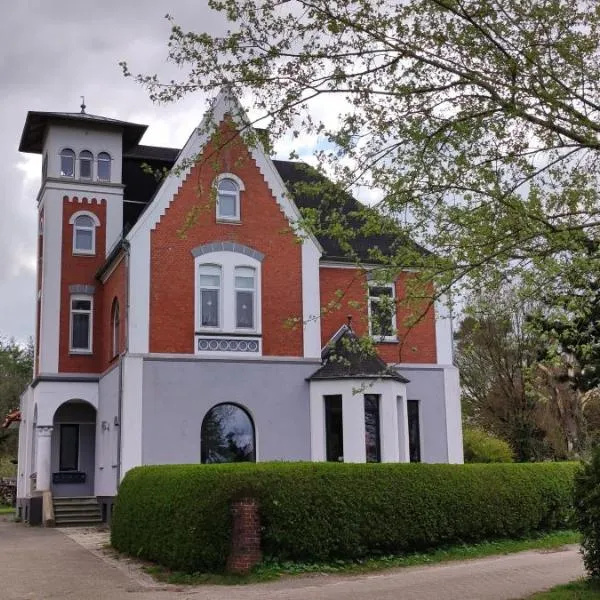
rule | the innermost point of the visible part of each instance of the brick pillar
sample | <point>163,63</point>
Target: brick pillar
<point>245,536</point>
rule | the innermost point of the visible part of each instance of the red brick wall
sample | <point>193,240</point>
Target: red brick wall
<point>263,227</point>
<point>81,269</point>
<point>344,293</point>
<point>114,287</point>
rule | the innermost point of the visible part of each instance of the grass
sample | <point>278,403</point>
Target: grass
<point>271,570</point>
<point>583,589</point>
<point>6,510</point>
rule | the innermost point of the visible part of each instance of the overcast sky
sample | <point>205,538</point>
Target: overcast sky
<point>53,52</point>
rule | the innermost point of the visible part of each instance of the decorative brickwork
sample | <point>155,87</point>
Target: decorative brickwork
<point>245,536</point>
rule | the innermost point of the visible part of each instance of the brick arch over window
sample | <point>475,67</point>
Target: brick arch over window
<point>227,247</point>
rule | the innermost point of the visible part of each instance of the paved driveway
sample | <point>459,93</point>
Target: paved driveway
<point>44,563</point>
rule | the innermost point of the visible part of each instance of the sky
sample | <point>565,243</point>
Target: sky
<point>53,52</point>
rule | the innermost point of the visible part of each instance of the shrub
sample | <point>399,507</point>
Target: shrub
<point>179,515</point>
<point>483,447</point>
<point>587,511</point>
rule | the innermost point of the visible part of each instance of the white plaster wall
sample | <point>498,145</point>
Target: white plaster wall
<point>453,416</point>
<point>311,299</point>
<point>138,320</point>
<point>25,444</point>
<point>107,435</point>
<point>443,331</point>
<point>131,415</point>
<point>49,395</point>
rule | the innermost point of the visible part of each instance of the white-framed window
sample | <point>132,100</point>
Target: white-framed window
<point>67,163</point>
<point>228,298</point>
<point>115,325</point>
<point>245,289</point>
<point>382,311</point>
<point>86,161</point>
<point>210,296</point>
<point>84,232</point>
<point>80,336</point>
<point>228,188</point>
<point>104,165</point>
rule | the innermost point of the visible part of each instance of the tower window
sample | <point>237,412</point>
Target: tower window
<point>85,164</point>
<point>67,163</point>
<point>84,236</point>
<point>81,324</point>
<point>104,163</point>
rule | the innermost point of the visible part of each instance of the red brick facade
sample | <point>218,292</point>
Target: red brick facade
<point>114,289</point>
<point>263,227</point>
<point>344,293</point>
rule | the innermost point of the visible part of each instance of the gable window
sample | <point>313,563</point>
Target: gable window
<point>69,447</point>
<point>227,435</point>
<point>244,297</point>
<point>84,234</point>
<point>210,295</point>
<point>81,324</point>
<point>372,431</point>
<point>115,323</point>
<point>382,312</point>
<point>104,162</point>
<point>85,164</point>
<point>67,163</point>
<point>228,200</point>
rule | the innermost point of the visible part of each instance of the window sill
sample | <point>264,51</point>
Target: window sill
<point>81,352</point>
<point>82,253</point>
<point>386,340</point>
<point>224,221</point>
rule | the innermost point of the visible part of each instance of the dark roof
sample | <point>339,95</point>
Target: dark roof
<point>32,138</point>
<point>167,155</point>
<point>343,358</point>
<point>310,189</point>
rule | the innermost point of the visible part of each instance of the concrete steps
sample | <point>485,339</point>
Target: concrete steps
<point>80,511</point>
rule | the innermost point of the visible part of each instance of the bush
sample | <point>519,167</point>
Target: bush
<point>587,512</point>
<point>179,515</point>
<point>483,447</point>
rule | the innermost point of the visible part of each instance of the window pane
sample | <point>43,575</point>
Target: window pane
<point>67,163</point>
<point>414,433</point>
<point>372,435</point>
<point>84,221</point>
<point>381,319</point>
<point>227,205</point>
<point>378,291</point>
<point>81,304</point>
<point>227,435</point>
<point>69,448</point>
<point>103,166</point>
<point>245,309</point>
<point>227,185</point>
<point>85,168</point>
<point>210,281</point>
<point>84,239</point>
<point>81,331</point>
<point>334,428</point>
<point>209,308</point>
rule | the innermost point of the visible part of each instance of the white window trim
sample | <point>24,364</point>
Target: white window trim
<point>91,159</point>
<point>109,161</point>
<point>96,220</point>
<point>379,338</point>
<point>238,205</point>
<point>228,261</point>
<point>90,348</point>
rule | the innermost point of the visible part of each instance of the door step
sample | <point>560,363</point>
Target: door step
<point>77,511</point>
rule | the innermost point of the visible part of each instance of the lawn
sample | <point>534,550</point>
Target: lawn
<point>6,510</point>
<point>269,571</point>
<point>584,589</point>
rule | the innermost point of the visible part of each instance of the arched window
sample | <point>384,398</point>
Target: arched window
<point>228,200</point>
<point>227,435</point>
<point>84,235</point>
<point>115,323</point>
<point>85,164</point>
<point>67,163</point>
<point>104,166</point>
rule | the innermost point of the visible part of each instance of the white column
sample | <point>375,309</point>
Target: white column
<point>43,457</point>
<point>317,424</point>
<point>403,428</point>
<point>353,417</point>
<point>390,449</point>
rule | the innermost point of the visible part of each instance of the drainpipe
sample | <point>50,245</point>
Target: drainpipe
<point>126,248</point>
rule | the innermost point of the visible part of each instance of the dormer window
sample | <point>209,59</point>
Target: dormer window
<point>228,197</point>
<point>104,163</point>
<point>84,232</point>
<point>67,163</point>
<point>86,159</point>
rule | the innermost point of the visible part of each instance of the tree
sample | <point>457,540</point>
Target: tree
<point>16,369</point>
<point>477,121</point>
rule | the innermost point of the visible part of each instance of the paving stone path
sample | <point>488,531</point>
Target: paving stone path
<point>74,564</point>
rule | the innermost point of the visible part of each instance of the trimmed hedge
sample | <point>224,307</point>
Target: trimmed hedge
<point>179,516</point>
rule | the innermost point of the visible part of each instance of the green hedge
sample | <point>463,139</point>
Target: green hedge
<point>178,515</point>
